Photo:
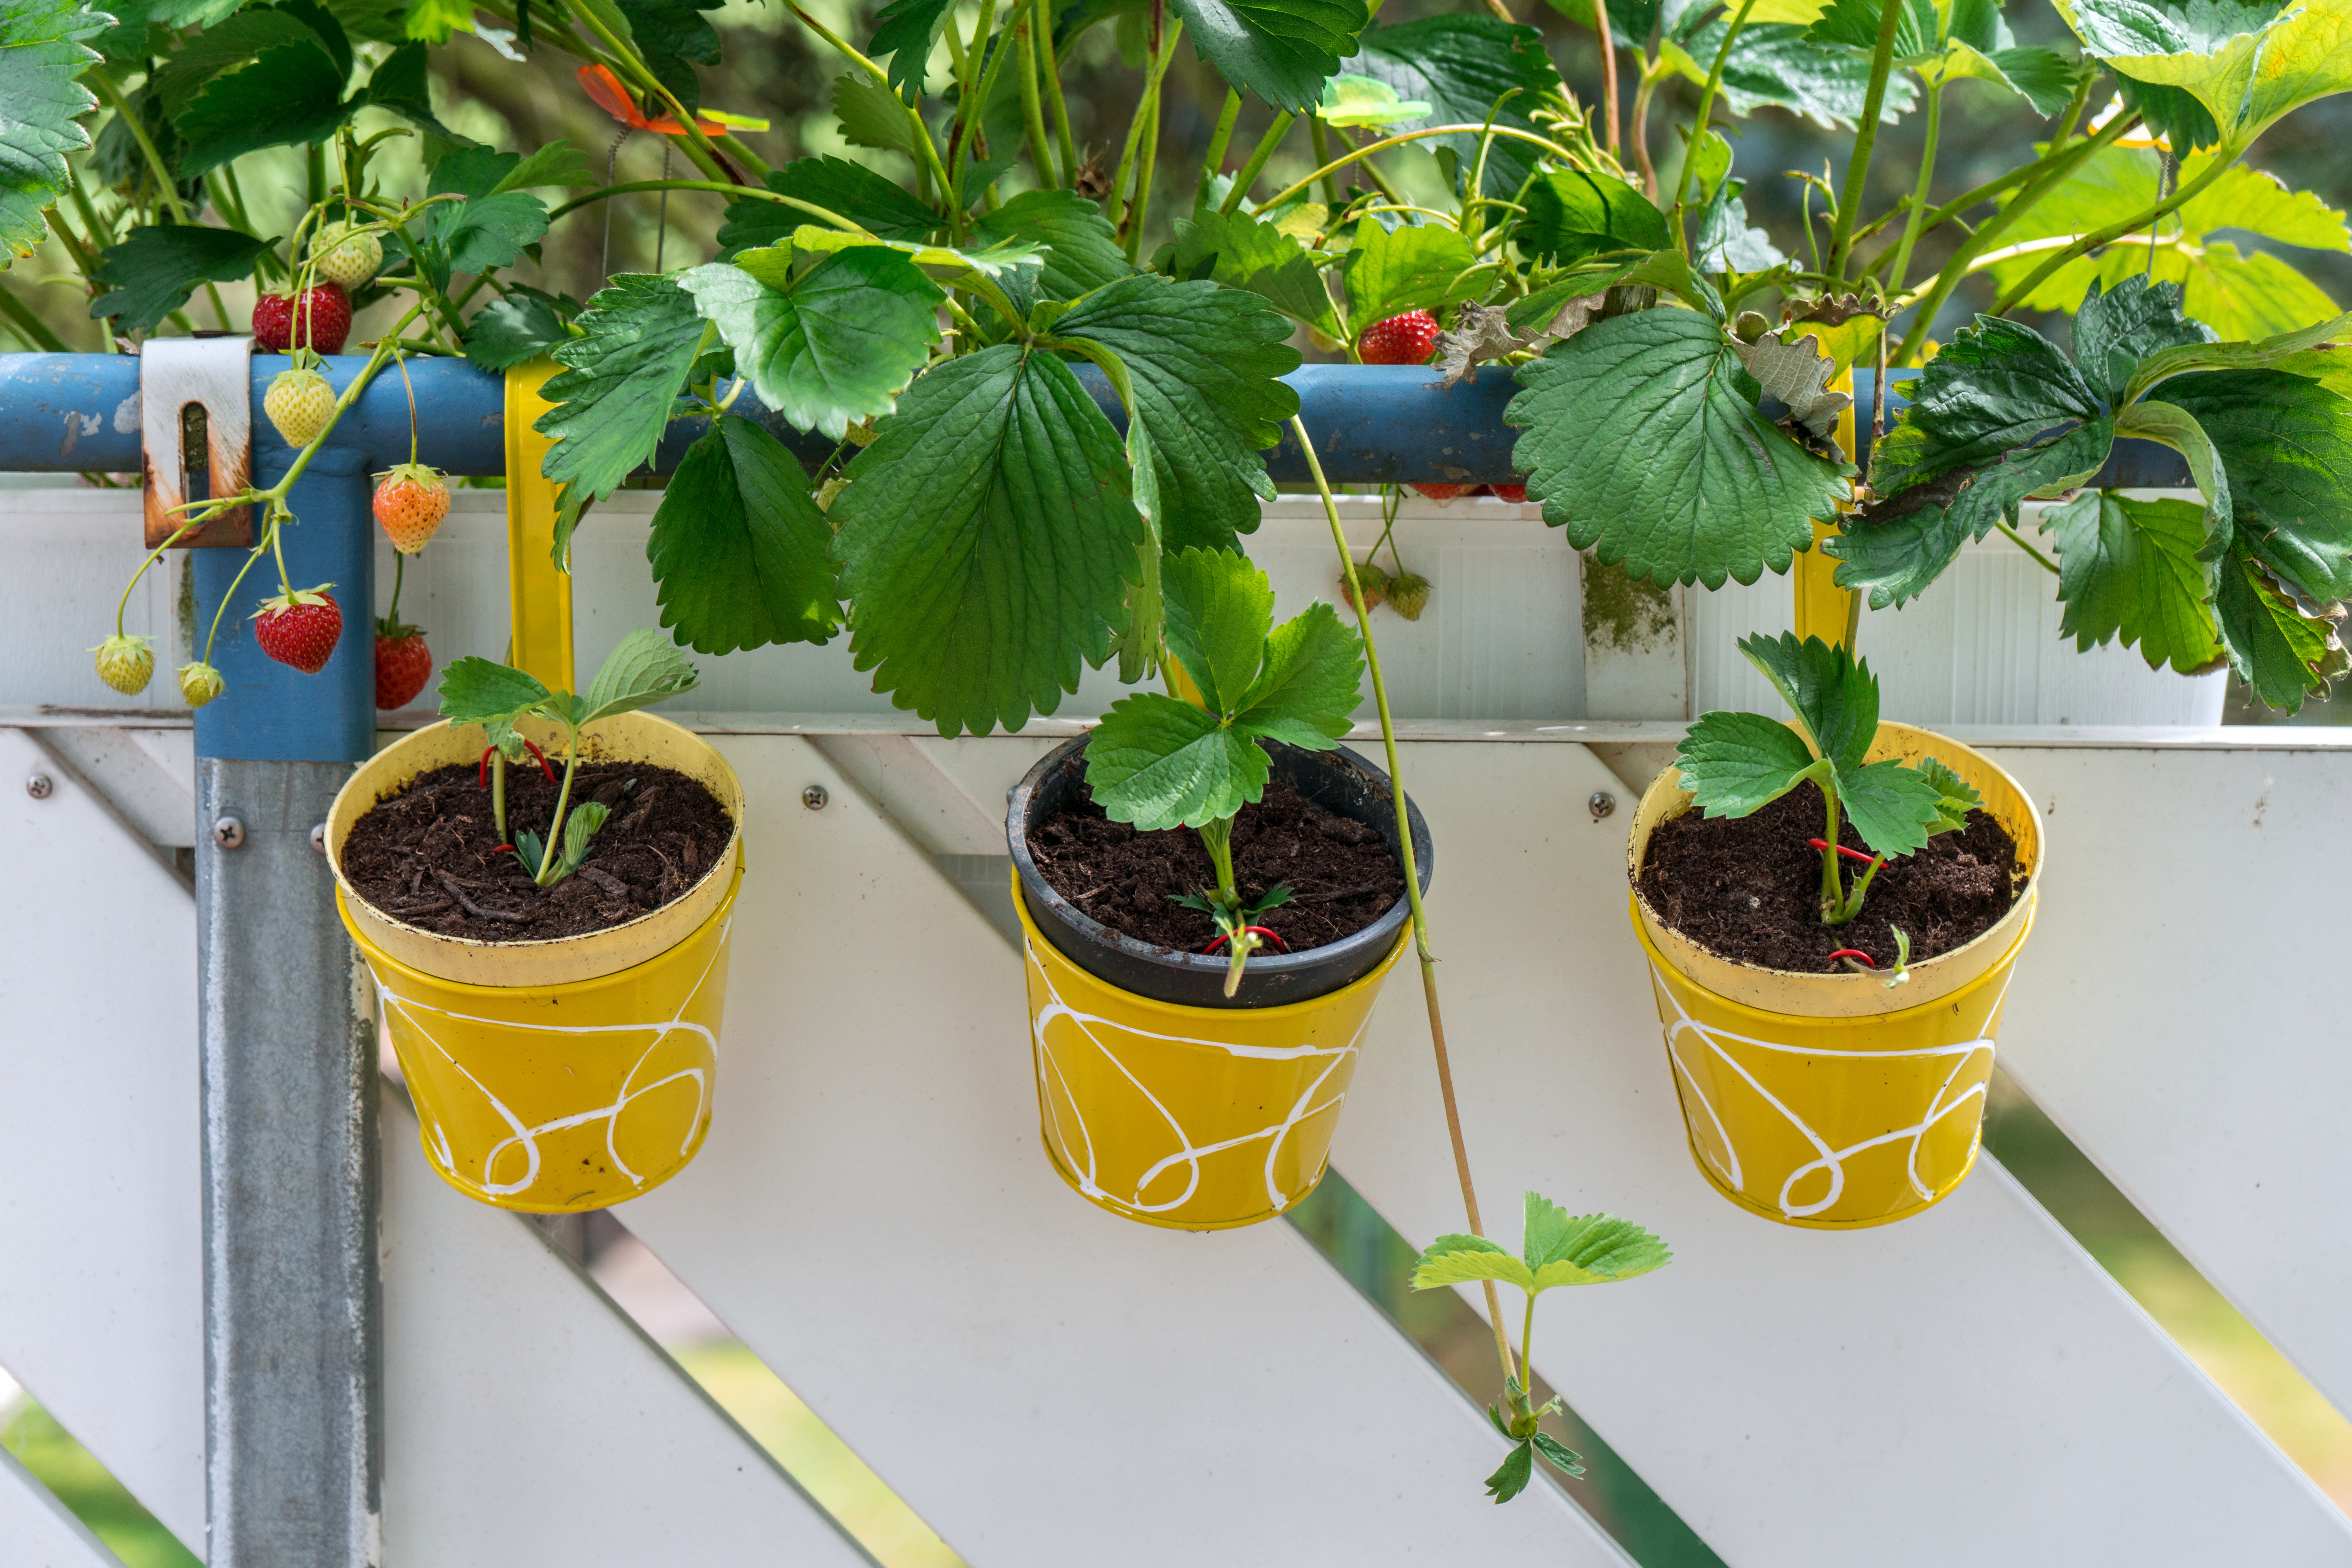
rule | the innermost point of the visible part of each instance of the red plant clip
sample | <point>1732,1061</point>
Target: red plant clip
<point>535,751</point>
<point>1854,952</point>
<point>482,777</point>
<point>1254,931</point>
<point>1849,854</point>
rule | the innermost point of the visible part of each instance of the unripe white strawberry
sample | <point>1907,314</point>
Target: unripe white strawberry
<point>299,402</point>
<point>342,257</point>
<point>126,663</point>
<point>199,683</point>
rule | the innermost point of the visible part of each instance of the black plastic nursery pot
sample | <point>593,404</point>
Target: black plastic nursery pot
<point>1161,1099</point>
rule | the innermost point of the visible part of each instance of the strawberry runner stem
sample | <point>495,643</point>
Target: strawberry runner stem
<point>1412,894</point>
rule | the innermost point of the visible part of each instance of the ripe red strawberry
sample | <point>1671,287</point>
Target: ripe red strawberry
<point>410,501</point>
<point>1442,493</point>
<point>1517,493</point>
<point>1400,339</point>
<point>326,316</point>
<point>402,663</point>
<point>301,627</point>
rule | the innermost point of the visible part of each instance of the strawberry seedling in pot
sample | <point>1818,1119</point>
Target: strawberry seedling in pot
<point>644,670</point>
<point>1555,1248</point>
<point>1160,762</point>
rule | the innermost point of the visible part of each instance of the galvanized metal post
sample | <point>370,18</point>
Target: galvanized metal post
<point>293,1424</point>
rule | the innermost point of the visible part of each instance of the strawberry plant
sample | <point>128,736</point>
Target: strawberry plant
<point>643,668</point>
<point>1194,757</point>
<point>1555,1248</point>
<point>1735,764</point>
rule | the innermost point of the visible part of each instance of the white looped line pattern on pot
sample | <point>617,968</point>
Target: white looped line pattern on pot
<point>1187,1152</point>
<point>526,1137</point>
<point>1827,1159</point>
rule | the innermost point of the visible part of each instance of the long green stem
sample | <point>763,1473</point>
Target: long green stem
<point>2054,174</point>
<point>1832,885</point>
<point>1865,137</point>
<point>1033,112</point>
<point>1920,193</point>
<point>2113,231</point>
<point>28,326</point>
<point>220,609</point>
<point>498,792</point>
<point>1315,131</point>
<point>1144,122</point>
<point>1218,142</point>
<point>1527,1360</point>
<point>1217,838</point>
<point>924,145</point>
<point>1383,145</point>
<point>1969,199</point>
<point>1250,171</point>
<point>1042,15</point>
<point>1411,878</point>
<point>1638,131</point>
<point>113,99</point>
<point>964,130</point>
<point>1707,111</point>
<point>723,187</point>
<point>2019,540</point>
<point>555,823</point>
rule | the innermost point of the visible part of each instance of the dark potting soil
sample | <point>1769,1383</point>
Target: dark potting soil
<point>1340,872</point>
<point>429,855</point>
<point>1748,888</point>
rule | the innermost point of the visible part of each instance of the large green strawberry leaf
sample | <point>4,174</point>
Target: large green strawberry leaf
<point>849,190</point>
<point>1159,763</point>
<point>291,94</point>
<point>2287,443</point>
<point>1640,443</point>
<point>1996,385</point>
<point>2237,294</point>
<point>1585,1249</point>
<point>640,335</point>
<point>1279,50</point>
<point>904,33</point>
<point>1241,252</point>
<point>1777,64</point>
<point>2281,654</point>
<point>1572,214</point>
<point>1204,362</point>
<point>2128,570</point>
<point>1735,764</point>
<point>225,45</point>
<point>521,326</point>
<point>151,272</point>
<point>740,554</point>
<point>987,540</point>
<point>837,344</point>
<point>2118,327</point>
<point>2244,65</point>
<point>1389,272</point>
<point>1460,65</point>
<point>1895,549</point>
<point>2151,420</point>
<point>1082,251</point>
<point>1831,692</point>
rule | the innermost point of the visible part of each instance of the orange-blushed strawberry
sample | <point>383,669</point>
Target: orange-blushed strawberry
<point>410,502</point>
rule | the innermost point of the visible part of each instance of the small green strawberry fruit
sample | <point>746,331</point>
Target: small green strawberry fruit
<point>342,257</point>
<point>126,664</point>
<point>1373,581</point>
<point>199,683</point>
<point>1409,595</point>
<point>299,402</point>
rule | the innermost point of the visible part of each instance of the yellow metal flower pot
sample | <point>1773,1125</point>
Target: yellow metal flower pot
<point>1833,1100</point>
<point>1192,1118</point>
<point>554,1077</point>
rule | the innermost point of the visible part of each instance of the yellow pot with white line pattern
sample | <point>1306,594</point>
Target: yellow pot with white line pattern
<point>1833,1100</point>
<point>555,1077</point>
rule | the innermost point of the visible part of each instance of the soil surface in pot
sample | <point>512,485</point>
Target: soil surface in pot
<point>429,855</point>
<point>1340,873</point>
<point>1748,888</point>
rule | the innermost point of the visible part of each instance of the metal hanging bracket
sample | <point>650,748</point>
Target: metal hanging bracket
<point>195,395</point>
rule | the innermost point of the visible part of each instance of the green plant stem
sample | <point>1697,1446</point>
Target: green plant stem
<point>975,76</point>
<point>112,97</point>
<point>2113,231</point>
<point>1528,1362</point>
<point>1139,212</point>
<point>226,599</point>
<point>2054,173</point>
<point>123,603</point>
<point>1638,130</point>
<point>1607,40</point>
<point>1042,15</point>
<point>1383,145</point>
<point>1411,879</point>
<point>555,823</point>
<point>1315,130</point>
<point>723,187</point>
<point>1033,113</point>
<point>28,326</point>
<point>1832,885</point>
<point>1217,838</point>
<point>498,792</point>
<point>1866,138</point>
<point>1705,111</point>
<point>2019,540</point>
<point>928,150</point>
<point>399,557</point>
<point>1141,131</point>
<point>1275,132</point>
<point>1218,143</point>
<point>1984,193</point>
<point>1920,193</point>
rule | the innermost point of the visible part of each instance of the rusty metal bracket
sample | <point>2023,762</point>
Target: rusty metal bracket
<point>196,395</point>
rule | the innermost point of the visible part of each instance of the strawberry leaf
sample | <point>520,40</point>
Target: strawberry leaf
<point>1518,1470</point>
<point>1735,764</point>
<point>1241,252</point>
<point>476,690</point>
<point>1459,1259</point>
<point>1459,64</point>
<point>640,335</point>
<point>1959,797</point>
<point>1641,443</point>
<point>1220,610</point>
<point>849,190</point>
<point>289,94</point>
<point>1779,65</point>
<point>1082,251</point>
<point>1565,1458</point>
<point>839,343</point>
<point>2281,654</point>
<point>42,56</point>
<point>1279,50</point>
<point>904,32</point>
<point>1892,806</point>
<point>1833,694</point>
<point>739,552</point>
<point>1995,387</point>
<point>1572,214</point>
<point>154,269</point>
<point>506,332</point>
<point>2128,569</point>
<point>1311,683</point>
<point>987,539</point>
<point>1387,273</point>
<point>2287,443</point>
<point>1204,364</point>
<point>1561,1248</point>
<point>2118,327</point>
<point>1158,763</point>
<point>644,668</point>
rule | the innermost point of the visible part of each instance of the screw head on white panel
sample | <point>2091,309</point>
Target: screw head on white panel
<point>814,798</point>
<point>318,836</point>
<point>39,787</point>
<point>1601,804</point>
<point>228,832</point>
